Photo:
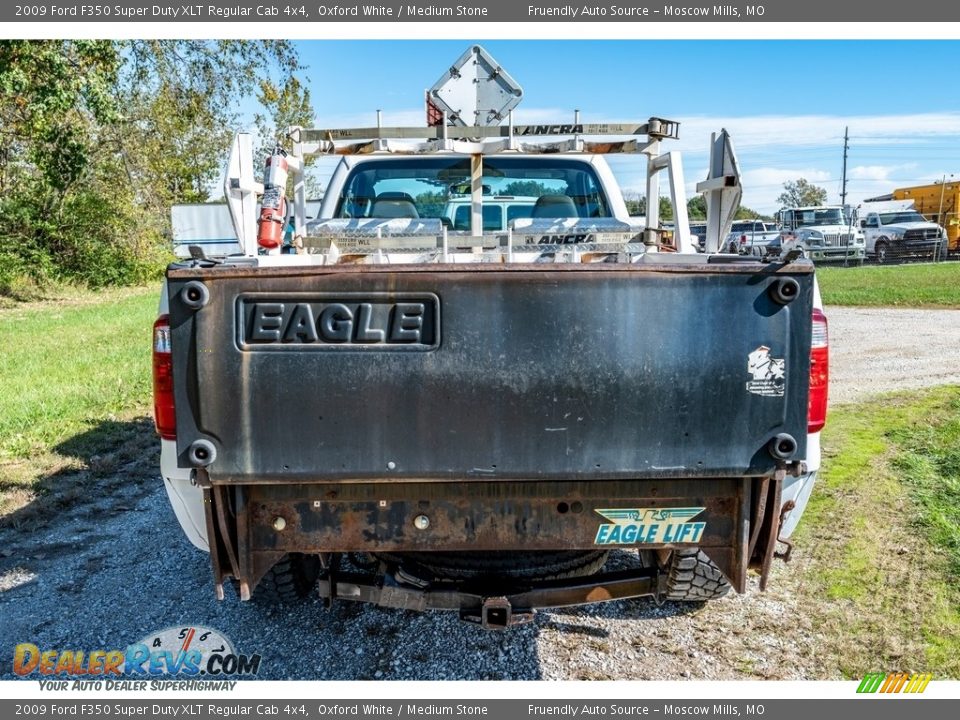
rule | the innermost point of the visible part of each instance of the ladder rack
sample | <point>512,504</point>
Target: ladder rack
<point>636,138</point>
<point>483,140</point>
<point>476,142</point>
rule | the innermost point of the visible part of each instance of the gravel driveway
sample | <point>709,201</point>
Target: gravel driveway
<point>875,351</point>
<point>117,567</point>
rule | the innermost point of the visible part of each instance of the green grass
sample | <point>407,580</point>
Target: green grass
<point>882,534</point>
<point>916,285</point>
<point>74,374</point>
<point>929,465</point>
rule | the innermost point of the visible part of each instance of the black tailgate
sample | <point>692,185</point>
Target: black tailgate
<point>300,374</point>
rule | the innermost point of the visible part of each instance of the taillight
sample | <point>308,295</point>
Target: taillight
<point>819,373</point>
<point>163,409</point>
<point>743,239</point>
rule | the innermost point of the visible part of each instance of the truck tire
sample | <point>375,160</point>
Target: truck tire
<point>692,577</point>
<point>881,252</point>
<point>289,581</point>
<point>546,565</point>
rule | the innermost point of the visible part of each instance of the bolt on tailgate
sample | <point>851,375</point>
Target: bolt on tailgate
<point>443,372</point>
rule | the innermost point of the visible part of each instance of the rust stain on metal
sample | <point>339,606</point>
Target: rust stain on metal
<point>757,518</point>
<point>785,556</point>
<point>598,595</point>
<point>772,527</point>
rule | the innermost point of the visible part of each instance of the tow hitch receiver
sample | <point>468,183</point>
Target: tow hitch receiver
<point>492,605</point>
<point>496,613</point>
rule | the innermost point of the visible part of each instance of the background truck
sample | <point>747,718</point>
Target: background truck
<point>751,237</point>
<point>940,202</point>
<point>824,233</point>
<point>473,421</point>
<point>896,231</point>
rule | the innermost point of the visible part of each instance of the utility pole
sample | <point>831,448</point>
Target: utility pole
<point>943,186</point>
<point>843,184</point>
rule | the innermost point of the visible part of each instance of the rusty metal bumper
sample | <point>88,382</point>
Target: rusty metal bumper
<point>736,521</point>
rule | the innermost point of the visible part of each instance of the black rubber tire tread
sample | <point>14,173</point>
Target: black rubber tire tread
<point>289,581</point>
<point>540,565</point>
<point>886,252</point>
<point>692,577</point>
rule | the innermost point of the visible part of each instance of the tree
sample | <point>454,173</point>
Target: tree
<point>697,208</point>
<point>527,188</point>
<point>666,210</point>
<point>99,137</point>
<point>179,100</point>
<point>285,105</point>
<point>637,205</point>
<point>431,204</point>
<point>801,193</point>
<point>53,95</point>
<point>745,213</point>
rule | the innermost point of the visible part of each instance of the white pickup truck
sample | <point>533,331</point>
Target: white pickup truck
<point>900,233</point>
<point>468,420</point>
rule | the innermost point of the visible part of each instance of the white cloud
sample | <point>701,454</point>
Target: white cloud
<point>878,172</point>
<point>767,177</point>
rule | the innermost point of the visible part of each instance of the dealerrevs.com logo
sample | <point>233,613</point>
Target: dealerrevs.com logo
<point>194,652</point>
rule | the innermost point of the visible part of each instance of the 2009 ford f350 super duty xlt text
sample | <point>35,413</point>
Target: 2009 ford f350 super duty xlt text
<point>429,418</point>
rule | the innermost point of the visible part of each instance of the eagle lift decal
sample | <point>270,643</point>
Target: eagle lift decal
<point>648,526</point>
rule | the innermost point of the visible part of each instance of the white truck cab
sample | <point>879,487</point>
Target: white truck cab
<point>824,233</point>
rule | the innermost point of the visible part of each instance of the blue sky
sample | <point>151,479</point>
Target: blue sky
<point>785,102</point>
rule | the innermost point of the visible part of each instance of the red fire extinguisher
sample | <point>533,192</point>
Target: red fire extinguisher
<point>273,208</point>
